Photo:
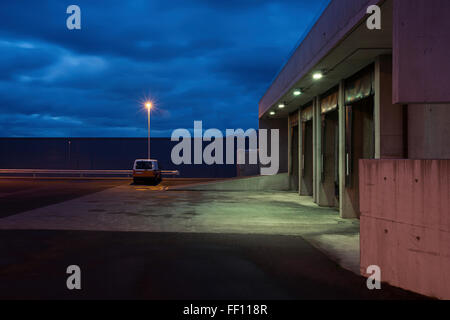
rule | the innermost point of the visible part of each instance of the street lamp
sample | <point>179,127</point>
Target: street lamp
<point>149,106</point>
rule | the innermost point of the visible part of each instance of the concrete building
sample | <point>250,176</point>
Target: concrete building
<point>364,119</point>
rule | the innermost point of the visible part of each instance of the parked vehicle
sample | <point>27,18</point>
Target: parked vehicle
<point>146,170</point>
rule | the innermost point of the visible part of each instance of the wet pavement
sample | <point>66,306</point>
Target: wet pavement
<point>153,242</point>
<point>160,209</point>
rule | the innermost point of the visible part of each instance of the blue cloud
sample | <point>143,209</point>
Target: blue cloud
<point>198,59</point>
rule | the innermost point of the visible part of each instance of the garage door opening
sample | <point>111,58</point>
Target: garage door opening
<point>330,159</point>
<point>307,172</point>
<point>295,158</point>
<point>329,170</point>
<point>360,143</point>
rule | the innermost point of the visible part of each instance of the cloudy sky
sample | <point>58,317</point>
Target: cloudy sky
<point>208,60</point>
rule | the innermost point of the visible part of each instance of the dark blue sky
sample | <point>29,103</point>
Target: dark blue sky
<point>208,60</point>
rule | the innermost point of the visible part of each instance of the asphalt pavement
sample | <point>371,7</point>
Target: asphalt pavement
<point>147,242</point>
<point>133,265</point>
<point>19,195</point>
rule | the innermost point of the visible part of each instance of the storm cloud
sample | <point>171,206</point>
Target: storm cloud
<point>208,60</point>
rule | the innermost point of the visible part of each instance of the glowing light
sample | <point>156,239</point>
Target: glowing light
<point>317,76</point>
<point>281,106</point>
<point>297,92</point>
<point>272,113</point>
<point>148,105</point>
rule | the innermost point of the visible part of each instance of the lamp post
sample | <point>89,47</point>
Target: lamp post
<point>148,105</point>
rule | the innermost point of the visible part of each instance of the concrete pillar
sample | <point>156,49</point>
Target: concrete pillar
<point>316,151</point>
<point>429,131</point>
<point>304,190</point>
<point>289,128</point>
<point>300,155</point>
<point>376,108</point>
<point>290,156</point>
<point>341,111</point>
<point>345,206</point>
<point>388,117</point>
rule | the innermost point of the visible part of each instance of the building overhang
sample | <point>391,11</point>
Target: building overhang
<point>338,45</point>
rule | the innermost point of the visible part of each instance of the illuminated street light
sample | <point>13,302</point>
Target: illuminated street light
<point>272,113</point>
<point>149,106</point>
<point>317,76</point>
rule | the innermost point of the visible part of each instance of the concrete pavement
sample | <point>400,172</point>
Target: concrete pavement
<point>151,265</point>
<point>157,209</point>
<point>135,241</point>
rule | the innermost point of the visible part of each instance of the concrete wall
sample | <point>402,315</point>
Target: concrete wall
<point>429,131</point>
<point>421,47</point>
<point>278,182</point>
<point>98,153</point>
<point>282,125</point>
<point>405,223</point>
<point>247,169</point>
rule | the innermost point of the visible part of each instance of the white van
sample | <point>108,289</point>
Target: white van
<point>146,170</point>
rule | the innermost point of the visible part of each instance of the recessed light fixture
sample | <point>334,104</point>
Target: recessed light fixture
<point>272,113</point>
<point>317,76</point>
<point>297,92</point>
<point>281,106</point>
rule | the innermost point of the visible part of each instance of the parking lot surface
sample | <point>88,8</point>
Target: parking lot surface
<point>153,242</point>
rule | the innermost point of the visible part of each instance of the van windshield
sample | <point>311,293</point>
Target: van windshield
<point>144,165</point>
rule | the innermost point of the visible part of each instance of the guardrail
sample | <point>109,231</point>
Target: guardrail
<point>80,173</point>
<point>170,172</point>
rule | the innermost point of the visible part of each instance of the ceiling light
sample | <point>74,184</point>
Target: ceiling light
<point>317,76</point>
<point>281,106</point>
<point>297,92</point>
<point>272,113</point>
